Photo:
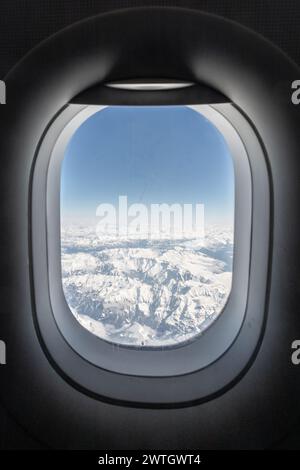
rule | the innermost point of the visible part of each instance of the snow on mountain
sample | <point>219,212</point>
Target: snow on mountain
<point>146,292</point>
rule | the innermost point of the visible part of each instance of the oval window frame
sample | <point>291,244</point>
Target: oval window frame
<point>120,362</point>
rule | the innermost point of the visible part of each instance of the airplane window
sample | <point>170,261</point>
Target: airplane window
<point>147,224</point>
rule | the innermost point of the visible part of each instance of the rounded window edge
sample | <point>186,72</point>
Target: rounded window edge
<point>45,240</point>
<point>217,244</point>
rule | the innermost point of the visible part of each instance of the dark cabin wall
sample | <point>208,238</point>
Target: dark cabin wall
<point>24,23</point>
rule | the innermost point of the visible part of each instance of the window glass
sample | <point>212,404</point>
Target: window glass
<point>147,222</point>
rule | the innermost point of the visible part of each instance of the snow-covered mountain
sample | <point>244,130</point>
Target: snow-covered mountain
<point>146,292</point>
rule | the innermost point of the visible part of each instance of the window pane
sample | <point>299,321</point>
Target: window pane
<point>147,221</point>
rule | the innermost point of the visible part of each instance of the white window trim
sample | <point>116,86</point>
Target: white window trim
<point>125,373</point>
<point>186,357</point>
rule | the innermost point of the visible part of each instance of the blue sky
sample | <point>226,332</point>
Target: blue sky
<point>167,154</point>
